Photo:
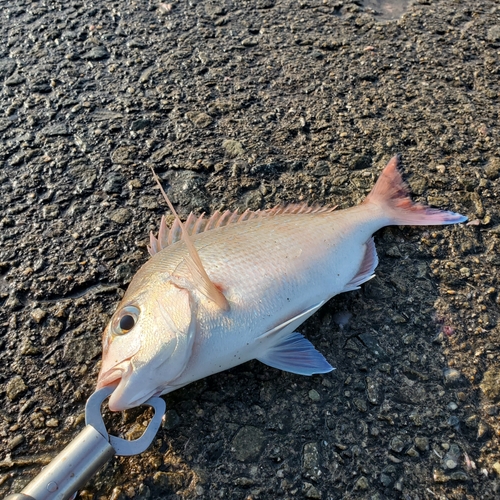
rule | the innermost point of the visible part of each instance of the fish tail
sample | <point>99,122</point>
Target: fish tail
<point>391,194</point>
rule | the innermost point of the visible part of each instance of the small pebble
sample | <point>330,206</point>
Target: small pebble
<point>459,475</point>
<point>144,492</point>
<point>52,422</point>
<point>201,120</point>
<point>483,430</point>
<point>310,491</point>
<point>248,443</point>
<point>314,395</point>
<point>496,468</point>
<point>38,315</point>
<point>396,444</point>
<point>372,390</point>
<point>117,494</point>
<point>15,442</point>
<point>123,273</point>
<point>398,485</point>
<point>472,422</point>
<point>135,431</point>
<point>96,54</point>
<point>50,212</point>
<point>310,460</point>
<point>361,484</point>
<point>233,148</point>
<point>171,420</point>
<point>451,376</point>
<point>490,384</point>
<point>412,452</point>
<point>134,184</point>
<point>15,387</point>
<point>385,480</point>
<point>454,421</point>
<point>450,463</point>
<point>491,410</point>
<point>360,404</point>
<point>465,272</point>
<point>422,443</point>
<point>450,460</point>
<point>121,215</point>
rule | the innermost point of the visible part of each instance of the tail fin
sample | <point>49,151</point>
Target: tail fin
<point>392,195</point>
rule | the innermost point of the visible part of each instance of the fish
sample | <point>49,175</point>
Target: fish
<point>222,290</point>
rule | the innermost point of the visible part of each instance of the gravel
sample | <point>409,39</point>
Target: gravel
<point>253,104</point>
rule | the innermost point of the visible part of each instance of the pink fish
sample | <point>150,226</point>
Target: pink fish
<point>221,291</point>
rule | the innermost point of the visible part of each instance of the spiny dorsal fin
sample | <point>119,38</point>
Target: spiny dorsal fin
<point>193,261</point>
<point>195,225</point>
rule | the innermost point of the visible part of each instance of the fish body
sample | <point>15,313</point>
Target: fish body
<point>262,275</point>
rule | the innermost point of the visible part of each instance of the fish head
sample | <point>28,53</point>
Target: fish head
<point>147,343</point>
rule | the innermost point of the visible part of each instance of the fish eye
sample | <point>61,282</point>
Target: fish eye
<point>125,320</point>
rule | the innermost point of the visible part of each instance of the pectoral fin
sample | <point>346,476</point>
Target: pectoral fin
<point>200,278</point>
<point>295,354</point>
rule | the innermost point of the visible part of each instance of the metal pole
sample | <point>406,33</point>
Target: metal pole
<point>88,452</point>
<point>69,470</point>
<point>18,496</point>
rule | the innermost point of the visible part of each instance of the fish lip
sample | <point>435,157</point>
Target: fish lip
<point>116,404</point>
<point>121,399</point>
<point>113,375</point>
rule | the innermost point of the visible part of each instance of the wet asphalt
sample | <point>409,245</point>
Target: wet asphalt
<point>250,104</point>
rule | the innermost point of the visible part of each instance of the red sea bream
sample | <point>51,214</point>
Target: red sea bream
<point>223,290</point>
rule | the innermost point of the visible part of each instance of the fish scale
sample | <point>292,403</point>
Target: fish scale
<point>280,283</point>
<point>286,262</point>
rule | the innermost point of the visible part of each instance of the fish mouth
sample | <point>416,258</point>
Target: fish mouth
<point>113,375</point>
<point>131,389</point>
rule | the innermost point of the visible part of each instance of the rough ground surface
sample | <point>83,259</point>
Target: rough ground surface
<point>252,103</point>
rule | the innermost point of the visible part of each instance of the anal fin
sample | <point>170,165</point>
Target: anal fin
<point>367,269</point>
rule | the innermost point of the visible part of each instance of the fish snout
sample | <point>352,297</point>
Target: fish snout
<point>117,359</point>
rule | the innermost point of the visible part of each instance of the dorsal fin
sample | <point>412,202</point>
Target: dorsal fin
<point>200,277</point>
<point>195,225</point>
